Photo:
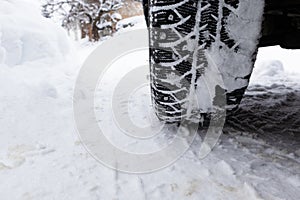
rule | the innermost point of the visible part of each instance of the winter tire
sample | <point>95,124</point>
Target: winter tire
<point>188,38</point>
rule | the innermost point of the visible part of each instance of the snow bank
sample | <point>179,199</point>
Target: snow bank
<point>288,57</point>
<point>26,36</point>
<point>273,72</point>
<point>33,53</point>
<point>276,66</point>
<point>35,73</point>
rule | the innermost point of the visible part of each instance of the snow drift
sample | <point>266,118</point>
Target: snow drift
<point>27,36</point>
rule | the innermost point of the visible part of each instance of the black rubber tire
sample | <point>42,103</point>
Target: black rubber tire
<point>174,22</point>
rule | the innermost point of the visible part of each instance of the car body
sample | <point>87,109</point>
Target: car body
<point>281,24</point>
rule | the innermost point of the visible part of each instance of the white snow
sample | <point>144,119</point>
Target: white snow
<point>41,156</point>
<point>276,71</point>
<point>243,26</point>
<point>25,39</point>
<point>116,16</point>
<point>132,22</point>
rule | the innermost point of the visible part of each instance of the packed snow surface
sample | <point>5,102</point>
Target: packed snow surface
<point>41,157</point>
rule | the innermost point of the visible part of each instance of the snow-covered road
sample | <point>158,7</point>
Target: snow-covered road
<point>41,156</point>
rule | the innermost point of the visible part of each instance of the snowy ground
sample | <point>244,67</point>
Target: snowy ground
<point>258,156</point>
